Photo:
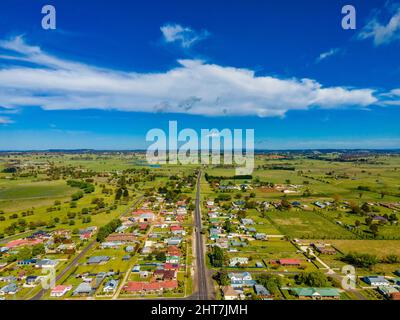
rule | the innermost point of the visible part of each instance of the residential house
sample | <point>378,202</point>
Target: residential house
<point>110,286</point>
<point>316,293</point>
<point>241,279</point>
<point>10,288</point>
<point>388,291</point>
<point>229,293</point>
<point>121,237</point>
<point>238,261</point>
<point>60,290</point>
<point>289,262</point>
<point>83,289</point>
<point>98,259</point>
<point>376,281</point>
<point>162,274</point>
<point>262,292</point>
<point>31,281</point>
<point>46,263</point>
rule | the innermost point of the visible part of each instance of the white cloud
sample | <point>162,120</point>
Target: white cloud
<point>327,54</point>
<point>5,120</point>
<point>194,87</point>
<point>381,33</point>
<point>185,36</point>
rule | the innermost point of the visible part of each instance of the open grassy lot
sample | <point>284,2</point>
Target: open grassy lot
<point>305,224</point>
<point>381,248</point>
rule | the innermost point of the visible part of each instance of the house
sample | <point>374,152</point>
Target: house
<point>23,243</point>
<point>260,236</point>
<point>323,249</point>
<point>376,281</point>
<point>46,263</point>
<point>319,204</point>
<point>395,296</point>
<point>172,259</point>
<point>31,280</point>
<point>289,262</point>
<point>230,293</point>
<point>316,293</point>
<point>26,262</point>
<point>238,261</point>
<point>171,266</point>
<point>178,230</point>
<point>111,245</point>
<point>246,221</point>
<point>10,288</point>
<point>262,292</point>
<point>136,268</point>
<point>162,274</point>
<point>110,286</point>
<point>173,251</point>
<point>121,237</point>
<point>387,291</point>
<point>8,279</point>
<point>60,290</point>
<point>175,241</point>
<point>146,217</point>
<point>83,289</point>
<point>67,248</point>
<point>150,287</point>
<point>129,249</point>
<point>241,279</point>
<point>98,259</point>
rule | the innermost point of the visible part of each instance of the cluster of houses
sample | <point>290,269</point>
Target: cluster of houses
<point>389,288</point>
<point>239,283</point>
<point>156,227</point>
<point>53,243</point>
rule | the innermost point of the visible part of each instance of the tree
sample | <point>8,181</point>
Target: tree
<point>391,259</point>
<point>217,257</point>
<point>365,207</point>
<point>313,279</point>
<point>118,194</point>
<point>38,249</point>
<point>228,226</point>
<point>160,256</point>
<point>270,281</point>
<point>361,260</point>
<point>77,195</point>
<point>126,193</point>
<point>221,277</point>
<point>24,254</point>
<point>368,221</point>
<point>374,229</point>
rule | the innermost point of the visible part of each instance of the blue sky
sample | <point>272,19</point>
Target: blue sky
<point>112,70</point>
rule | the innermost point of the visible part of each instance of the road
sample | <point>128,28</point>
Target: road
<point>42,292</point>
<point>202,282</point>
<point>74,262</point>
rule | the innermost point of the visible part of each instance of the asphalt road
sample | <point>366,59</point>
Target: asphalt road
<point>42,292</point>
<point>202,290</point>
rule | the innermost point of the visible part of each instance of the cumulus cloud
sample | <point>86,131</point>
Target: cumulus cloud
<point>5,120</point>
<point>327,54</point>
<point>381,33</point>
<point>391,98</point>
<point>185,36</point>
<point>193,87</point>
